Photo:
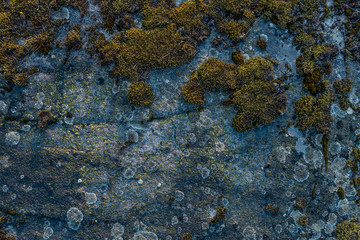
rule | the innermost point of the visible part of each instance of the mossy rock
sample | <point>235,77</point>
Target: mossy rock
<point>216,74</point>
<point>140,93</point>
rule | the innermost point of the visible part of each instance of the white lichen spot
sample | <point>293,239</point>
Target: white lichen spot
<point>301,172</point>
<point>74,218</point>
<point>48,232</point>
<point>117,231</point>
<point>12,138</point>
<point>129,173</point>
<point>179,196</point>
<point>249,233</point>
<point>219,146</point>
<point>90,198</point>
<point>205,172</point>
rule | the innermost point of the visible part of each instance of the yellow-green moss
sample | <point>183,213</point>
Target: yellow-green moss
<point>193,91</point>
<point>259,103</point>
<point>238,58</point>
<point>356,154</point>
<point>261,43</point>
<point>187,236</point>
<point>304,39</point>
<point>255,69</point>
<point>300,203</point>
<point>341,193</point>
<point>343,86</point>
<point>42,42</point>
<point>278,11</point>
<point>233,29</point>
<point>235,7</point>
<point>73,39</point>
<point>347,231</point>
<point>189,16</point>
<point>216,74</point>
<point>154,17</point>
<point>314,112</point>
<point>302,221</point>
<point>272,208</point>
<point>140,93</point>
<point>315,83</point>
<point>138,50</point>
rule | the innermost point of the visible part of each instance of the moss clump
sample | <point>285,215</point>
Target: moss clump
<point>259,103</point>
<point>41,42</point>
<point>314,112</point>
<point>5,236</point>
<point>44,118</point>
<point>155,17</point>
<point>278,11</point>
<point>138,50</point>
<point>255,69</point>
<point>314,82</point>
<point>73,39</point>
<point>140,94</point>
<point>187,236</point>
<point>190,16</point>
<point>238,58</point>
<point>272,208</point>
<point>342,87</point>
<point>234,30</point>
<point>302,221</point>
<point>341,193</point>
<point>356,154</point>
<point>303,39</point>
<point>193,91</point>
<point>220,215</point>
<point>10,59</point>
<point>216,74</point>
<point>300,203</point>
<point>347,231</point>
<point>261,43</point>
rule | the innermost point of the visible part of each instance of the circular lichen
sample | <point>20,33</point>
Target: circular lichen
<point>216,74</point>
<point>347,231</point>
<point>140,94</point>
